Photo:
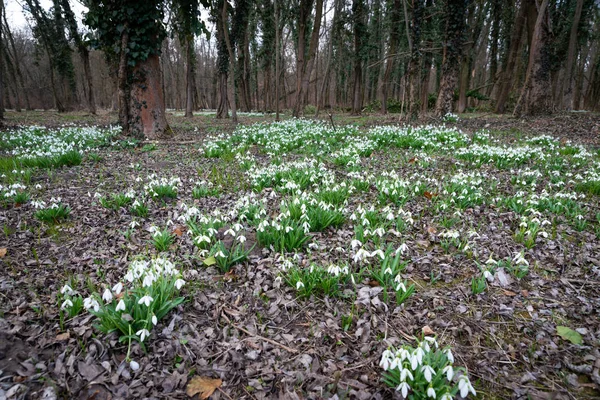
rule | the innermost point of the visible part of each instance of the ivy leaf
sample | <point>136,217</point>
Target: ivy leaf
<point>569,334</point>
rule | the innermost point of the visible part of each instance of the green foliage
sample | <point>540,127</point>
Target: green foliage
<point>226,258</point>
<point>317,280</point>
<point>162,239</point>
<point>53,214</point>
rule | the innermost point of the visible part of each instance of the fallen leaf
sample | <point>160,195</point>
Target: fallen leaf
<point>431,230</point>
<point>63,336</point>
<point>429,195</point>
<point>509,293</point>
<point>427,331</point>
<point>210,261</point>
<point>203,386</point>
<point>569,334</point>
<point>178,231</point>
<point>525,293</point>
<point>412,160</point>
<point>2,252</point>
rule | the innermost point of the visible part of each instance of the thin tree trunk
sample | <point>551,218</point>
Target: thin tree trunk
<point>231,62</point>
<point>1,66</point>
<point>189,75</point>
<point>17,63</point>
<point>123,90</point>
<point>276,61</point>
<point>415,57</point>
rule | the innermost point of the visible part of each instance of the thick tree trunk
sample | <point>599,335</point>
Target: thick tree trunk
<point>1,66</point>
<point>535,98</point>
<point>306,64</point>
<point>508,72</point>
<point>189,78</point>
<point>122,82</point>
<point>454,37</point>
<point>567,87</point>
<point>415,58</point>
<point>87,71</point>
<point>276,60</point>
<point>147,117</point>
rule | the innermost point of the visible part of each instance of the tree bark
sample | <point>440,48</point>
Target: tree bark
<point>231,62</point>
<point>454,37</point>
<point>276,60</point>
<point>358,11</point>
<point>535,98</point>
<point>189,75</point>
<point>147,117</point>
<point>567,87</point>
<point>1,66</point>
<point>508,72</point>
<point>305,65</point>
<point>415,57</point>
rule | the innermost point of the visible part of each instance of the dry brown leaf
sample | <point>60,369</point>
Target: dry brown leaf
<point>427,331</point>
<point>178,231</point>
<point>429,195</point>
<point>509,293</point>
<point>431,230</point>
<point>62,336</point>
<point>202,386</point>
<point>2,252</point>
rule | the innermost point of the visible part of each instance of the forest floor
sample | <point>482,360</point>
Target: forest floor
<point>496,225</point>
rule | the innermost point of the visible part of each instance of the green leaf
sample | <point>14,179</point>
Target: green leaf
<point>569,334</point>
<point>210,261</point>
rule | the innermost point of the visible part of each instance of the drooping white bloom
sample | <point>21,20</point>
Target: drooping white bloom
<point>179,283</point>
<point>143,334</point>
<point>241,238</point>
<point>403,388</point>
<point>386,360</point>
<point>107,295</point>
<point>91,303</point>
<point>488,275</point>
<point>449,371</point>
<point>154,320</point>
<point>299,285</point>
<point>66,303</point>
<point>428,372</point>
<point>117,288</point>
<point>67,290</point>
<point>431,392</point>
<point>134,365</point>
<point>464,385</point>
<point>147,300</point>
<point>446,396</point>
<point>405,373</point>
<point>120,306</point>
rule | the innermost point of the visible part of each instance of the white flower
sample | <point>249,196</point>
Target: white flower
<point>428,372</point>
<point>107,296</point>
<point>241,238</point>
<point>299,285</point>
<point>143,334</point>
<point>446,396</point>
<point>134,365</point>
<point>66,303</point>
<point>117,288</point>
<point>431,392</point>
<point>154,320</point>
<point>67,290</point>
<point>91,303</point>
<point>464,385</point>
<point>449,355</point>
<point>385,362</point>
<point>120,306</point>
<point>488,275</point>
<point>449,371</point>
<point>355,243</point>
<point>220,254</point>
<point>405,373</point>
<point>403,388</point>
<point>147,300</point>
<point>179,283</point>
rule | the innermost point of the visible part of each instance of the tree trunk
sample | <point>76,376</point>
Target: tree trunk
<point>508,72</point>
<point>535,98</point>
<point>567,87</point>
<point>231,62</point>
<point>17,63</point>
<point>122,79</point>
<point>189,76</point>
<point>306,64</point>
<point>453,41</point>
<point>276,60</point>
<point>358,11</point>
<point>1,66</point>
<point>415,57</point>
<point>147,105</point>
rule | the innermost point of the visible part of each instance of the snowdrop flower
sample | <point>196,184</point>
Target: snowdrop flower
<point>449,355</point>
<point>143,334</point>
<point>154,320</point>
<point>428,372</point>
<point>229,232</point>
<point>133,224</point>
<point>446,396</point>
<point>431,392</point>
<point>120,306</point>
<point>91,303</point>
<point>67,290</point>
<point>134,365</point>
<point>299,285</point>
<point>403,388</point>
<point>405,373</point>
<point>402,249</point>
<point>148,280</point>
<point>377,252</point>
<point>66,303</point>
<point>117,288</point>
<point>179,283</point>
<point>388,271</point>
<point>449,371</point>
<point>107,295</point>
<point>488,275</point>
<point>147,300</point>
<point>241,238</point>
<point>355,243</point>
<point>129,276</point>
<point>386,358</point>
<point>401,286</point>
<point>464,385</point>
